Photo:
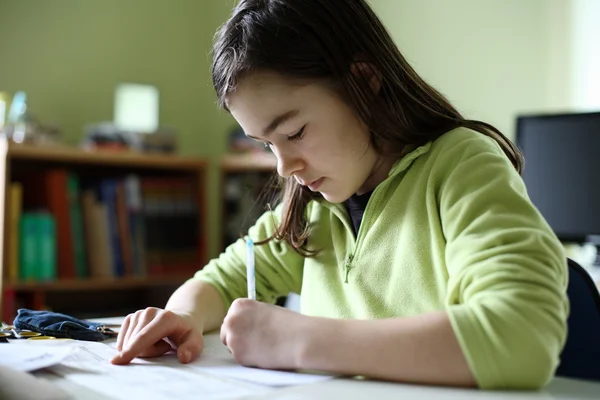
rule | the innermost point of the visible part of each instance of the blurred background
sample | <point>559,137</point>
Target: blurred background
<point>110,77</point>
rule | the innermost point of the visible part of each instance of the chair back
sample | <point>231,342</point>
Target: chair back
<point>580,357</point>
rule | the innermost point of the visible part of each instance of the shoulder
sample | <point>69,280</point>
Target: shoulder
<point>465,139</point>
<point>464,161</point>
<point>463,145</point>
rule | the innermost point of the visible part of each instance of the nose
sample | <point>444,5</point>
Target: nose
<point>287,163</point>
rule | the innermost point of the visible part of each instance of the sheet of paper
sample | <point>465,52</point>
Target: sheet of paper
<point>215,375</point>
<point>30,358</point>
<point>149,379</point>
<point>216,359</point>
<point>230,369</point>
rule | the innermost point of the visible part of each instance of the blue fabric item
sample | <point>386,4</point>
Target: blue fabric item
<point>581,355</point>
<point>60,325</point>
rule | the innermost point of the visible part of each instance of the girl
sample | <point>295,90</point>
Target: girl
<point>405,227</point>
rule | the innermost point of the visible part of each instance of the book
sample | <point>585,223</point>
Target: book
<point>38,246</point>
<point>48,191</point>
<point>76,221</point>
<point>98,253</point>
<point>107,190</point>
<point>14,218</point>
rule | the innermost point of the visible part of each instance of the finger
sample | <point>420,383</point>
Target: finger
<point>123,332</point>
<point>190,347</point>
<point>157,349</point>
<point>223,332</point>
<point>128,336</point>
<point>133,321</point>
<point>143,320</point>
<point>148,336</point>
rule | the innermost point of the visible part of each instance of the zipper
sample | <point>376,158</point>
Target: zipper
<point>362,229</point>
<point>399,167</point>
<point>364,225</point>
<point>348,266</point>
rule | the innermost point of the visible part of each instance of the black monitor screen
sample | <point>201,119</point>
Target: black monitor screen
<point>562,171</point>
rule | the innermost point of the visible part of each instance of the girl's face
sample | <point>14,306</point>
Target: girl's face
<point>317,138</point>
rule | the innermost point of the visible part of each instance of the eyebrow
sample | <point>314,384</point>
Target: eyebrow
<point>278,121</point>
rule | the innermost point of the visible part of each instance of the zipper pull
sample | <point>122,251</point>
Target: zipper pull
<point>101,328</point>
<point>348,266</point>
<point>106,330</point>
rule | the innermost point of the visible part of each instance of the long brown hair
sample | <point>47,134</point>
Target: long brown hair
<point>321,40</point>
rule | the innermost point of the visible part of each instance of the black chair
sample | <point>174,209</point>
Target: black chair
<point>581,355</point>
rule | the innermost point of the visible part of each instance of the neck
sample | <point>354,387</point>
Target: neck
<point>379,174</point>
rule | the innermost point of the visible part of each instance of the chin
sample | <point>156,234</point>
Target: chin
<point>332,198</point>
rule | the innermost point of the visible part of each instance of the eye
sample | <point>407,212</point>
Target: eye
<point>298,135</point>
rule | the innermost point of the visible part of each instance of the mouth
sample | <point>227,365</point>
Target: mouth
<point>314,186</point>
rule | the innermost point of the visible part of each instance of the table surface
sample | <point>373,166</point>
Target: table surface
<point>349,389</point>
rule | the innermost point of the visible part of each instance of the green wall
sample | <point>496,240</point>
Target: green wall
<point>68,55</point>
<point>493,59</point>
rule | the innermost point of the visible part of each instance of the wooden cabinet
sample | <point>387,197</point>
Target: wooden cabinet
<point>122,230</point>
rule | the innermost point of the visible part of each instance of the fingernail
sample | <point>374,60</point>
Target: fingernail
<point>186,356</point>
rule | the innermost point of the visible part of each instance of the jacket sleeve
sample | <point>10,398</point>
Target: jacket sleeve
<point>507,270</point>
<point>278,268</point>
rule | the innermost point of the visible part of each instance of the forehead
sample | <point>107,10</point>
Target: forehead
<point>265,87</point>
<point>263,95</point>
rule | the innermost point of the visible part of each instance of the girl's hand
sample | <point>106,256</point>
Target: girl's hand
<point>154,331</point>
<point>262,335</point>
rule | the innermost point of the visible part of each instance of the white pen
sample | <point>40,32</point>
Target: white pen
<point>250,269</point>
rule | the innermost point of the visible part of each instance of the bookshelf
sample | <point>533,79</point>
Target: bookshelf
<point>125,229</point>
<point>244,178</point>
<point>248,183</point>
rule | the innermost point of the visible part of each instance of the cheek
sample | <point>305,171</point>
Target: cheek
<point>352,144</point>
<point>337,141</point>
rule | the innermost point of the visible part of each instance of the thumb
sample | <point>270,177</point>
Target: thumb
<point>190,347</point>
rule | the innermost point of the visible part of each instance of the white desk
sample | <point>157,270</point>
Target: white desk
<point>348,389</point>
<point>355,390</point>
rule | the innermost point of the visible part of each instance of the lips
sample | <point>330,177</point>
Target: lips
<point>314,186</point>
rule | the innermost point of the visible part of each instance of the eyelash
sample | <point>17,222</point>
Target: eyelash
<point>297,136</point>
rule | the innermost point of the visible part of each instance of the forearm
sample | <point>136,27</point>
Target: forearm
<point>418,349</point>
<point>200,300</point>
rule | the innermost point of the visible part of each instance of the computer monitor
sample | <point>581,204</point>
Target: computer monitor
<point>562,171</point>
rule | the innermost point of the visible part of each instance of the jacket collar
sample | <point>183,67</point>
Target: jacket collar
<point>399,166</point>
<point>403,163</point>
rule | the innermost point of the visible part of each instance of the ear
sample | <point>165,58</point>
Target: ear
<point>369,73</point>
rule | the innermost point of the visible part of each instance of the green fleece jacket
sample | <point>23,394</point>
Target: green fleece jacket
<point>451,228</point>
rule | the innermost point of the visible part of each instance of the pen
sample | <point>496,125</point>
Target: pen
<point>250,269</point>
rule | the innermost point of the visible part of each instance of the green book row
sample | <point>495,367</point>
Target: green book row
<point>37,251</point>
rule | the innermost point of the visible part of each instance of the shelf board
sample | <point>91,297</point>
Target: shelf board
<point>96,283</point>
<point>65,154</point>
<point>261,162</point>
